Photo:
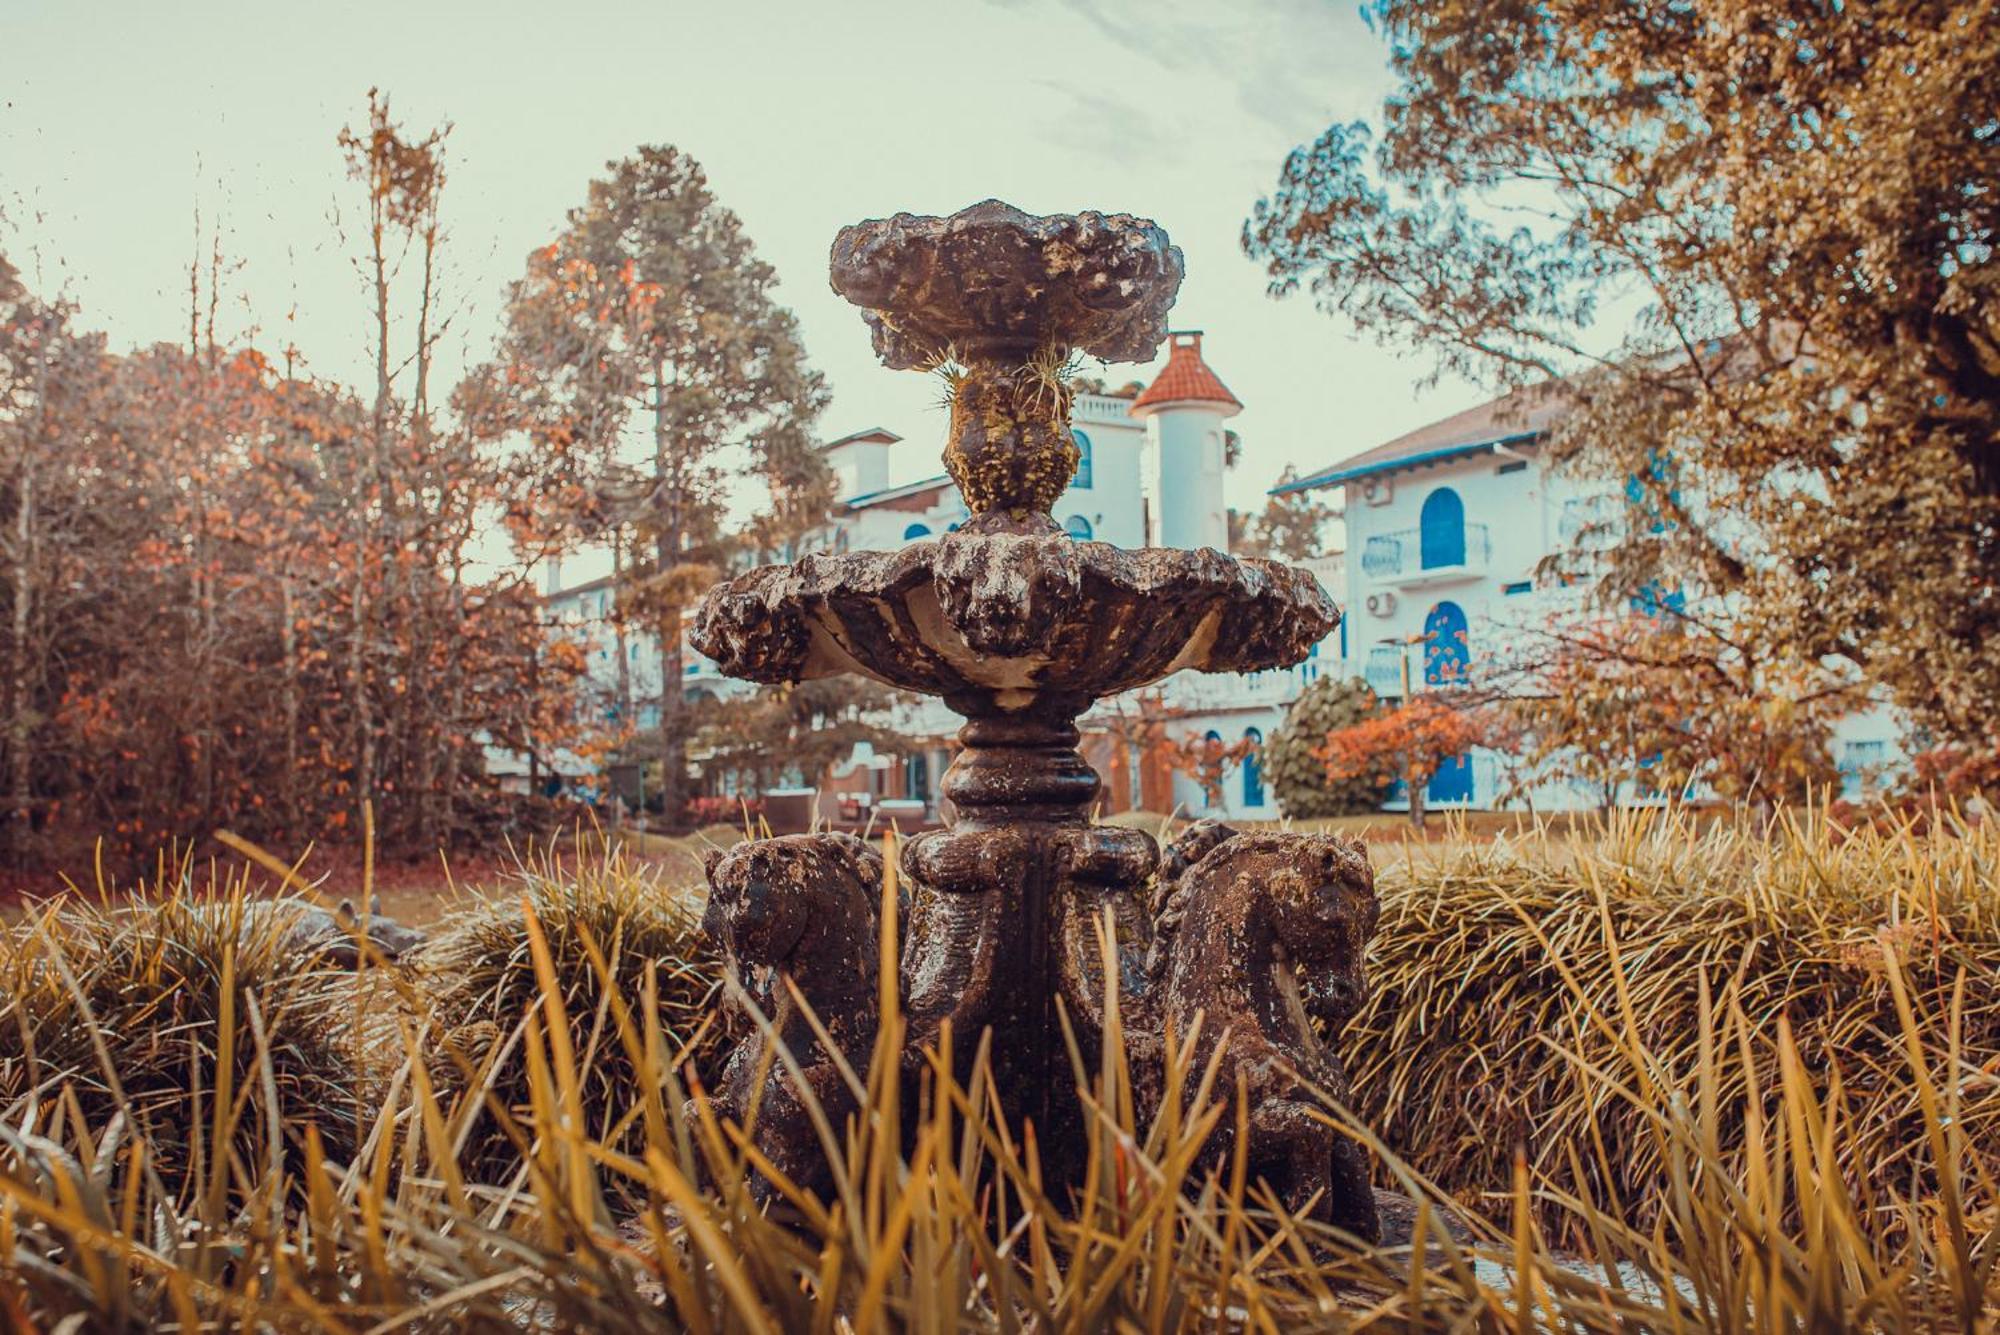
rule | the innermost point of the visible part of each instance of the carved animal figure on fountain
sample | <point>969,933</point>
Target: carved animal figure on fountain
<point>1103,874</point>
<point>797,914</point>
<point>964,908</point>
<point>1270,940</point>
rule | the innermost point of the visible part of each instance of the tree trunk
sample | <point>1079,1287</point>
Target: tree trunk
<point>20,726</point>
<point>373,495</point>
<point>1416,791</point>
<point>618,631</point>
<point>288,795</point>
<point>204,729</point>
<point>667,549</point>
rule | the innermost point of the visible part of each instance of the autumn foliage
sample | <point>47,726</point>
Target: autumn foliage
<point>1409,743</point>
<point>1667,706</point>
<point>236,595</point>
<point>1792,210</point>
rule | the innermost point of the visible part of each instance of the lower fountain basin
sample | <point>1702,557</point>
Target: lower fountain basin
<point>1003,622</point>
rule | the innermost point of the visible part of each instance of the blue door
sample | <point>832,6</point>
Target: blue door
<point>1447,652</point>
<point>1452,783</point>
<point>1441,530</point>
<point>1253,769</point>
<point>1447,656</point>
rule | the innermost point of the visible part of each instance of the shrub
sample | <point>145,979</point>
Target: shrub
<point>479,978</point>
<point>187,1015</point>
<point>702,811</point>
<point>1858,1193</point>
<point>1508,976</point>
<point>1297,776</point>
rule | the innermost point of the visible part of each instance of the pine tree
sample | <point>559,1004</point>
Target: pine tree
<point>643,348</point>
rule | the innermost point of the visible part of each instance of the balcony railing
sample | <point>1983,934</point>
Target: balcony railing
<point>1103,408</point>
<point>1401,557</point>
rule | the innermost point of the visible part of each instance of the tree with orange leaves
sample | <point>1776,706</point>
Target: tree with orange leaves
<point>1209,761</point>
<point>1671,703</point>
<point>1408,743</point>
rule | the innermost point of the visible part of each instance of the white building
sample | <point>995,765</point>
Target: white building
<point>1151,474</point>
<point>1446,527</point>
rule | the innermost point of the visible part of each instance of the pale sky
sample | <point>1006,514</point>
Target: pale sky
<point>116,119</point>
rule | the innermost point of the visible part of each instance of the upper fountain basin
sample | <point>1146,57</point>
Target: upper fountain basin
<point>993,284</point>
<point>1002,622</point>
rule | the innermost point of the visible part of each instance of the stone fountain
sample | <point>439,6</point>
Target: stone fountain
<point>1019,628</point>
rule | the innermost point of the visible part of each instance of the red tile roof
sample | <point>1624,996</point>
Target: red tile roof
<point>1185,378</point>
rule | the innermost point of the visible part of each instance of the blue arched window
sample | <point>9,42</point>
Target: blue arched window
<point>1082,478</point>
<point>1447,652</point>
<point>1078,527</point>
<point>1253,769</point>
<point>916,531</point>
<point>1441,530</point>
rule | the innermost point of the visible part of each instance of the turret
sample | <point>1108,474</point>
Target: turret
<point>1184,409</point>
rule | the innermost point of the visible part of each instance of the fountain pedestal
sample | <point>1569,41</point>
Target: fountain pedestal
<point>1020,628</point>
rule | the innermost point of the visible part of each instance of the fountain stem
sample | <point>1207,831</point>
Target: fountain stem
<point>1010,449</point>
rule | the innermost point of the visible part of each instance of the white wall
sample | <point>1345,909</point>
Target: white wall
<point>1113,504</point>
<point>1188,505</point>
<point>859,467</point>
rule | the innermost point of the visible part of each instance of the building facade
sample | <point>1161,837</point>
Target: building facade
<point>1446,529</point>
<point>1153,460</point>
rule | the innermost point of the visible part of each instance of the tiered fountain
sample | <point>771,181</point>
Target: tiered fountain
<point>1020,628</point>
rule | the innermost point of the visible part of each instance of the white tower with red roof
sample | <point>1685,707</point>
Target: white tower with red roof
<point>1184,409</point>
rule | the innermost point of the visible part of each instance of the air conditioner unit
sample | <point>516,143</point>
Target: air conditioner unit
<point>1378,491</point>
<point>1381,604</point>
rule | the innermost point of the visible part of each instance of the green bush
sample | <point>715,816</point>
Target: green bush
<point>1296,776</point>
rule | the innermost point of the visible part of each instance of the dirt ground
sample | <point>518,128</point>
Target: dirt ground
<point>419,891</point>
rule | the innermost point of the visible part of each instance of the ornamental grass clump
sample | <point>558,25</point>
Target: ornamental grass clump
<point>1511,977</point>
<point>613,926</point>
<point>1769,1215</point>
<point>187,1013</point>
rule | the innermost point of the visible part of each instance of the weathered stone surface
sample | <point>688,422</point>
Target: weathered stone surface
<point>998,300</point>
<point>799,909</point>
<point>993,283</point>
<point>1271,939</point>
<point>1002,622</point>
<point>1022,905</point>
<point>322,936</point>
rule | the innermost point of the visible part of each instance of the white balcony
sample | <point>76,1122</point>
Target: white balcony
<point>1277,687</point>
<point>1103,408</point>
<point>1407,559</point>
